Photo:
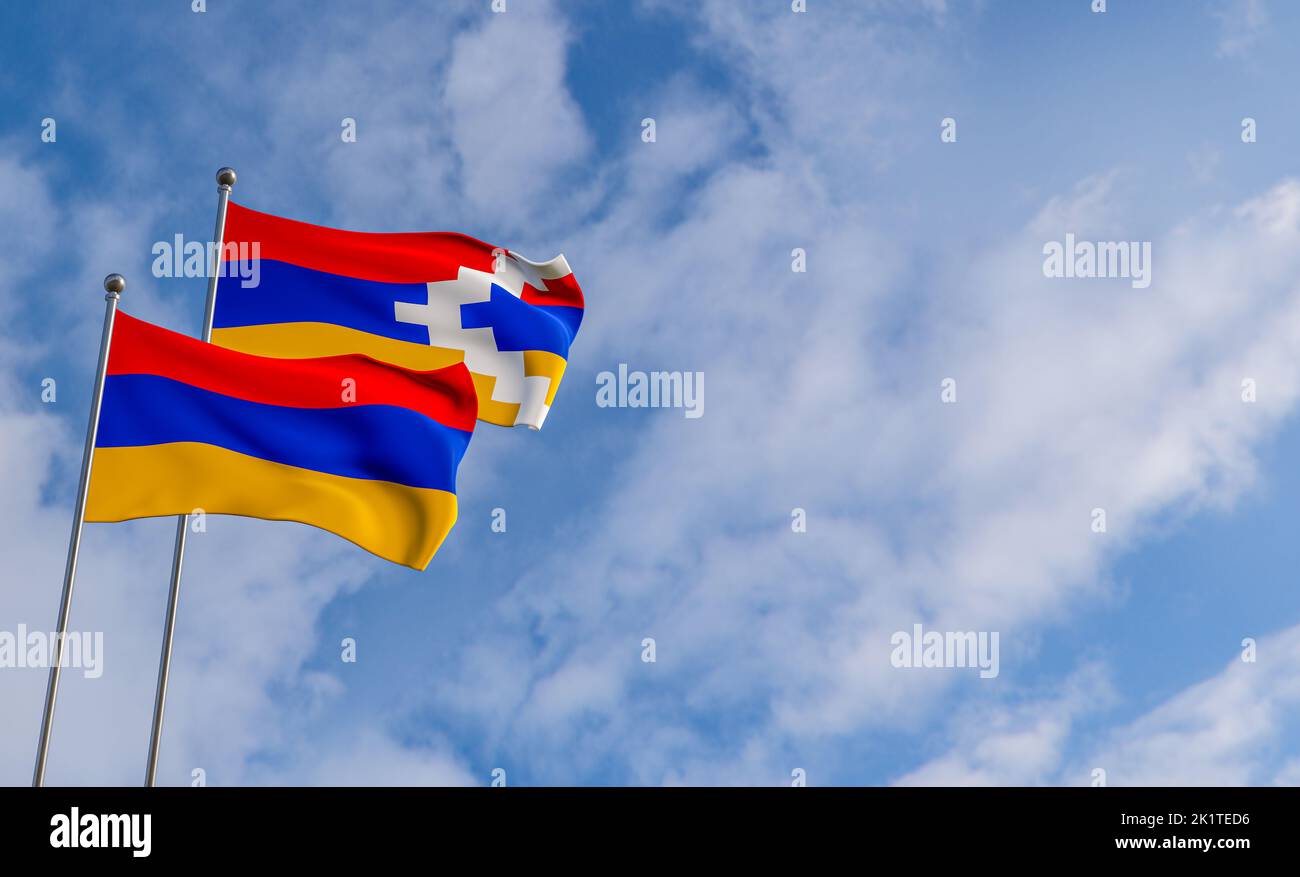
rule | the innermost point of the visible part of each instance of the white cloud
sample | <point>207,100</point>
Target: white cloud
<point>1230,729</point>
<point>1072,395</point>
<point>1241,23</point>
<point>1227,730</point>
<point>1020,744</point>
<point>514,126</point>
<point>368,758</point>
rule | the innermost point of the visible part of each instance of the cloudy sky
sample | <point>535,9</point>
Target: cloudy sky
<point>522,651</point>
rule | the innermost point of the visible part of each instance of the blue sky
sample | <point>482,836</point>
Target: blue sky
<point>819,130</point>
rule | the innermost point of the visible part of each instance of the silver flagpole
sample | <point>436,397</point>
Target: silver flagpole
<point>225,180</point>
<point>113,286</point>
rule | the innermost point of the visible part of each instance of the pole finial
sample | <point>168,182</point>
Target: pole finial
<point>114,284</point>
<point>226,176</point>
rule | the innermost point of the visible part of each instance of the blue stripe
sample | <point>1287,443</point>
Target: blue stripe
<point>570,317</point>
<point>517,325</point>
<point>291,294</point>
<point>288,293</point>
<point>376,442</point>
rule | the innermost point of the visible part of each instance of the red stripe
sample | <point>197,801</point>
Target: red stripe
<point>410,257</point>
<point>563,291</point>
<point>445,395</point>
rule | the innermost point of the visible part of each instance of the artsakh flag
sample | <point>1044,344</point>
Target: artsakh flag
<point>361,448</point>
<point>419,300</point>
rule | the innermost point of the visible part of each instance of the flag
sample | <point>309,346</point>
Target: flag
<point>418,300</point>
<point>363,449</point>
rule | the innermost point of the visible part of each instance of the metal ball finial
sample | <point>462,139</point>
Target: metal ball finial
<point>114,284</point>
<point>226,176</point>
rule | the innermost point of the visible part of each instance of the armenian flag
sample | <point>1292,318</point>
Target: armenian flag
<point>419,300</point>
<point>361,448</point>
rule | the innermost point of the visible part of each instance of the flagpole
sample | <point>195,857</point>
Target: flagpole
<point>113,286</point>
<point>225,180</point>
